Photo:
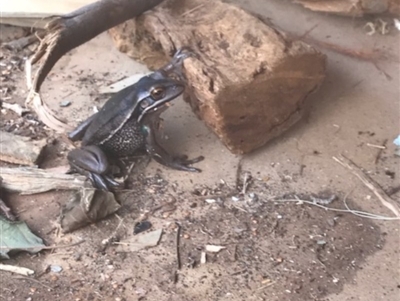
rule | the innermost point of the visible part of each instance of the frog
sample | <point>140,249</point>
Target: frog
<point>129,122</point>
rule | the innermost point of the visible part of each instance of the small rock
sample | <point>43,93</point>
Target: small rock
<point>166,214</point>
<point>203,258</point>
<point>214,249</point>
<point>65,103</point>
<point>331,222</point>
<point>55,268</point>
<point>141,227</point>
<point>54,278</point>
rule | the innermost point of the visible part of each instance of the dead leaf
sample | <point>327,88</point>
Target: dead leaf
<point>139,242</point>
<point>16,237</point>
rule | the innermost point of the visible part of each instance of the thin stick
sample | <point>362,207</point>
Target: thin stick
<point>64,246</point>
<point>17,270</point>
<point>355,212</point>
<point>239,172</point>
<point>245,183</point>
<point>33,280</point>
<point>109,239</point>
<point>192,10</point>
<point>367,181</point>
<point>378,155</point>
<point>51,247</point>
<point>178,252</point>
<point>376,146</point>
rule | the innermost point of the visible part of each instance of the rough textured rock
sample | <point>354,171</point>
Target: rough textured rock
<point>248,83</point>
<point>20,150</point>
<point>353,8</point>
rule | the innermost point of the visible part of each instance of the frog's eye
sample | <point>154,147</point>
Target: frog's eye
<point>157,93</point>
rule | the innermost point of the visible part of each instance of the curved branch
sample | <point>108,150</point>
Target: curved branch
<point>74,29</point>
<point>69,31</point>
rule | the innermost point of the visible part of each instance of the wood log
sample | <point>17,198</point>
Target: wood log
<point>353,8</point>
<point>35,180</point>
<point>248,82</point>
<point>20,150</point>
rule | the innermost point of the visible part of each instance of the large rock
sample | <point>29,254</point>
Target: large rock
<point>248,83</point>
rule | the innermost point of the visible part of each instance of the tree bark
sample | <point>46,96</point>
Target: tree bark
<point>248,81</point>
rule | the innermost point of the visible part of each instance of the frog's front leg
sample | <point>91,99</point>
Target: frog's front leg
<point>92,162</point>
<point>156,151</point>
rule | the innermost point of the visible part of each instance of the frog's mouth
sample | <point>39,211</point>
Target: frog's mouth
<point>161,107</point>
<point>156,110</point>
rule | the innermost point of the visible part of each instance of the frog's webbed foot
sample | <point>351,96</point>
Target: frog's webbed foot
<point>92,162</point>
<point>174,67</point>
<point>180,163</point>
<point>102,182</point>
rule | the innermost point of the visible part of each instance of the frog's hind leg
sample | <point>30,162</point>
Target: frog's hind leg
<point>92,162</point>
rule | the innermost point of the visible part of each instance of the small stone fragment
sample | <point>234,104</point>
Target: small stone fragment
<point>141,227</point>
<point>203,258</point>
<point>55,268</point>
<point>65,103</point>
<point>214,249</point>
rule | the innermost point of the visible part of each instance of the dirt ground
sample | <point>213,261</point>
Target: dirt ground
<point>275,249</point>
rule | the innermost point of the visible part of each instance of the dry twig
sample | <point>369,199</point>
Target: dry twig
<point>178,252</point>
<point>16,270</point>
<point>378,155</point>
<point>348,210</point>
<point>33,280</point>
<point>370,183</point>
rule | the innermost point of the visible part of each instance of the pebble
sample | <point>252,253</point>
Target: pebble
<point>55,268</point>
<point>65,103</point>
<point>54,278</point>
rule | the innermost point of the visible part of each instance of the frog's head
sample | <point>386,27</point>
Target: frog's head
<point>155,91</point>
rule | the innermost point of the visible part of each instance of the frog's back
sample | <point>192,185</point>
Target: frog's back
<point>111,117</point>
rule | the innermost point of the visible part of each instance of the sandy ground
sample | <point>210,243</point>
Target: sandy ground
<point>274,250</point>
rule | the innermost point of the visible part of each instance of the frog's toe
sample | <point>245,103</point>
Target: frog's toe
<point>183,165</point>
<point>194,160</point>
<point>102,182</point>
<point>183,159</point>
<point>98,181</point>
<point>193,169</point>
<point>111,182</point>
